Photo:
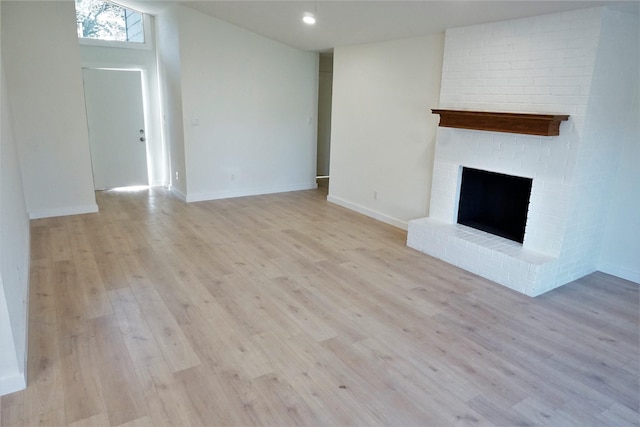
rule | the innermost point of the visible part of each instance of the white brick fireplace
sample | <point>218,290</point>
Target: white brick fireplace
<point>569,63</point>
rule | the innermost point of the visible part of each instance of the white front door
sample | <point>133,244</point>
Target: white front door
<point>117,136</point>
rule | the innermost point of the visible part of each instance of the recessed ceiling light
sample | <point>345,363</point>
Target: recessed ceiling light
<point>308,18</point>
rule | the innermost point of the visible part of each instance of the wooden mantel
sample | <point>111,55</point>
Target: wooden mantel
<point>530,124</point>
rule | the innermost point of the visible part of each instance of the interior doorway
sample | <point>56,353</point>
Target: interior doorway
<point>325,91</point>
<point>117,135</point>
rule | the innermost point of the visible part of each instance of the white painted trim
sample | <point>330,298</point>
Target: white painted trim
<point>228,194</point>
<point>114,44</point>
<point>621,272</point>
<point>70,210</point>
<point>369,212</point>
<point>13,383</point>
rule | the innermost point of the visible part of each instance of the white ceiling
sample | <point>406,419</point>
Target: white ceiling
<point>364,21</point>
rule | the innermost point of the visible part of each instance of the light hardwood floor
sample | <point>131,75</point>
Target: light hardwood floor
<point>286,310</point>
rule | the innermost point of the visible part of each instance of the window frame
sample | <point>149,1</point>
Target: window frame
<point>146,26</point>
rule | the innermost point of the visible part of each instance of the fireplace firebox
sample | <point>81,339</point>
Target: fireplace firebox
<point>494,202</point>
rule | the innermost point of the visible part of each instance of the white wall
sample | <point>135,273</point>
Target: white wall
<point>383,132</point>
<point>249,110</point>
<point>14,257</point>
<point>170,77</point>
<point>620,252</point>
<point>144,59</point>
<point>609,116</point>
<point>43,73</point>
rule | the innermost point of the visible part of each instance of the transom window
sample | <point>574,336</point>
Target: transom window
<point>104,20</point>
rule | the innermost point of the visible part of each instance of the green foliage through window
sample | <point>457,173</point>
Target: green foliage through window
<point>103,20</point>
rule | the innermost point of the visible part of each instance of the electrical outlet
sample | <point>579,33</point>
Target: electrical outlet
<point>375,195</point>
<point>232,177</point>
<point>177,176</point>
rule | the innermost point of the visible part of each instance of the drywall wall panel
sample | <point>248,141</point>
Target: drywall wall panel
<point>170,86</point>
<point>249,111</point>
<point>383,133</point>
<point>43,74</point>
<point>14,257</point>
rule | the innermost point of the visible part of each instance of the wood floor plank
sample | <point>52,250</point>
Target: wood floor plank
<point>51,418</point>
<point>419,365</point>
<point>262,301</point>
<point>83,396</point>
<point>12,416</point>
<point>286,405</point>
<point>140,342</point>
<point>165,396</point>
<point>89,285</point>
<point>212,404</point>
<point>620,415</point>
<point>105,254</point>
<point>71,317</point>
<point>288,310</point>
<point>496,415</point>
<point>121,392</point>
<point>541,413</point>
<point>40,242</point>
<point>313,299</point>
<point>386,396</point>
<point>175,347</point>
<point>139,422</point>
<point>44,398</point>
<point>307,320</point>
<point>45,368</point>
<point>607,340</point>
<point>60,242</point>
<point>100,420</point>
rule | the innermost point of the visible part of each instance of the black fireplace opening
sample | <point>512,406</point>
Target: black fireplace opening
<point>494,202</point>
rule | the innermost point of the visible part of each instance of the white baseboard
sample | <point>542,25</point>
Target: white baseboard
<point>12,384</point>
<point>369,212</point>
<point>621,272</point>
<point>65,211</point>
<point>243,192</point>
